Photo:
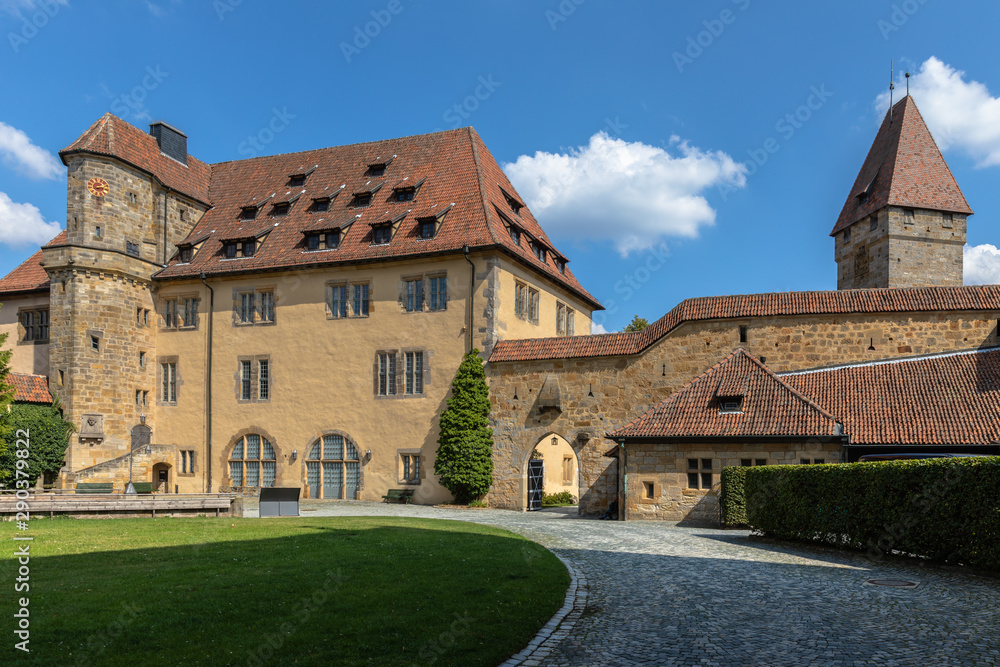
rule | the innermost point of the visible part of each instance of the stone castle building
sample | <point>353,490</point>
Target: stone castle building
<point>296,320</point>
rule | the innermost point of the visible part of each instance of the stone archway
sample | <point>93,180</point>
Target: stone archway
<point>562,467</point>
<point>160,477</point>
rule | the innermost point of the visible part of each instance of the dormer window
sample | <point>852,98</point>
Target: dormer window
<point>297,181</point>
<point>381,234</point>
<point>281,209</point>
<point>248,213</point>
<point>730,405</point>
<point>323,240</point>
<point>376,170</point>
<point>561,265</point>
<point>362,200</point>
<point>321,204</point>
<point>539,251</point>
<point>240,248</point>
<point>406,194</point>
<point>427,229</point>
<point>231,250</point>
<point>514,204</point>
<point>333,239</point>
<point>249,248</point>
<point>515,235</point>
<point>312,242</point>
<point>184,254</point>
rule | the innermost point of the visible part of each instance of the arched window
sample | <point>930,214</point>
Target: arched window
<point>252,462</point>
<point>333,468</point>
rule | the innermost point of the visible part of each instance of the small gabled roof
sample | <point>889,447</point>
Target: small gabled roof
<point>904,168</point>
<point>771,407</point>
<point>30,388</point>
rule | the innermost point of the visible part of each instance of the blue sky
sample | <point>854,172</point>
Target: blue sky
<point>636,131</point>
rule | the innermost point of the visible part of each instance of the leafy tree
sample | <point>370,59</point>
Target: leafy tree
<point>6,396</point>
<point>465,445</point>
<point>637,324</point>
<point>49,437</point>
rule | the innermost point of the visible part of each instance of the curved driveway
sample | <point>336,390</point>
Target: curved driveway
<point>660,594</point>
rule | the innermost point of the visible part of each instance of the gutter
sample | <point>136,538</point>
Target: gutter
<point>208,389</point>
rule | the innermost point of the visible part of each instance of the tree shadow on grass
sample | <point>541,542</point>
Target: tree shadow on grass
<point>343,591</point>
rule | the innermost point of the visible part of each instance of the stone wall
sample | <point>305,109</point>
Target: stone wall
<point>625,387</point>
<point>893,249</point>
<point>658,485</point>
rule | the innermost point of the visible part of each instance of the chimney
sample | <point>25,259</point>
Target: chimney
<point>172,142</point>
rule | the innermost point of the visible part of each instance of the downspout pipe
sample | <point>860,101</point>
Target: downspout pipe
<point>623,462</point>
<point>208,389</point>
<point>472,299</point>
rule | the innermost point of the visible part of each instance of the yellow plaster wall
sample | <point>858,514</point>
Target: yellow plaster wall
<point>513,327</point>
<point>31,358</point>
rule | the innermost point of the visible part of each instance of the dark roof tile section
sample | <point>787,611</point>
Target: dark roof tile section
<point>29,276</point>
<point>904,167</point>
<point>30,388</point>
<point>770,407</point>
<point>112,136</point>
<point>840,302</point>
<point>458,169</point>
<point>950,399</point>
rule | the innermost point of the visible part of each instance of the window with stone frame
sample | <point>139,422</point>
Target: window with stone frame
<point>190,313</point>
<point>170,313</point>
<point>413,297</point>
<point>187,462</point>
<point>747,463</point>
<point>360,303</point>
<point>333,468</point>
<point>168,381</point>
<point>437,292</point>
<point>385,374</point>
<point>337,300</point>
<point>34,325</point>
<point>565,320</point>
<point>409,467</point>
<point>254,379</point>
<point>253,306</point>
<point>180,312</point>
<point>414,381</point>
<point>699,474</point>
<point>252,462</point>
<point>521,300</point>
<point>533,305</point>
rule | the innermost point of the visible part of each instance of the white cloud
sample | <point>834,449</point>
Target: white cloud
<point>596,328</point>
<point>18,7</point>
<point>629,193</point>
<point>19,153</point>
<point>982,264</point>
<point>23,224</point>
<point>960,114</point>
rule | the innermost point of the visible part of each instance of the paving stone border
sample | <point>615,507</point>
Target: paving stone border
<point>560,625</point>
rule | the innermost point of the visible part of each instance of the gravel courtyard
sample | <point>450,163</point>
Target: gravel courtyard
<point>661,594</point>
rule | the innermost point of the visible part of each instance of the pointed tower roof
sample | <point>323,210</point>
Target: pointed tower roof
<point>904,168</point>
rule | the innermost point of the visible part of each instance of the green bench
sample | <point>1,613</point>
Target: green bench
<point>95,487</point>
<point>143,487</point>
<point>398,496</point>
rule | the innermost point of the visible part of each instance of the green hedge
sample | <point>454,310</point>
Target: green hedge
<point>947,510</point>
<point>732,498</point>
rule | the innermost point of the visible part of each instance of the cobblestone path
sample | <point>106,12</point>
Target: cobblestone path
<point>661,594</point>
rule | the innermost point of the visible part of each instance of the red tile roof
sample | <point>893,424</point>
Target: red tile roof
<point>112,136</point>
<point>904,168</point>
<point>456,166</point>
<point>770,407</point>
<point>29,276</point>
<point>889,300</point>
<point>30,388</point>
<point>947,399</point>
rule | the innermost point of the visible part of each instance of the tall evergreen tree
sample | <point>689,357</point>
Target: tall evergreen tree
<point>6,397</point>
<point>465,445</point>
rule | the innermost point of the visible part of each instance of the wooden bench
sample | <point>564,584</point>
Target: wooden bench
<point>95,487</point>
<point>398,496</point>
<point>143,487</point>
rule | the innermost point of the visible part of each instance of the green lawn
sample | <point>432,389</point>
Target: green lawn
<point>308,591</point>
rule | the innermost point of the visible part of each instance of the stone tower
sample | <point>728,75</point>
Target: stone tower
<point>128,202</point>
<point>904,221</point>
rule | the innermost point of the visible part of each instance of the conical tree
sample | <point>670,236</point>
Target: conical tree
<point>6,396</point>
<point>465,445</point>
